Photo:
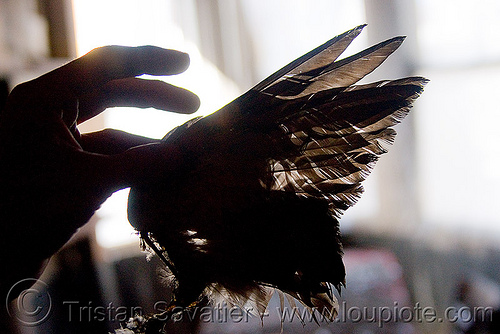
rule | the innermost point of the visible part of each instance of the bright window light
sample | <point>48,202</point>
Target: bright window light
<point>132,23</point>
<point>457,117</point>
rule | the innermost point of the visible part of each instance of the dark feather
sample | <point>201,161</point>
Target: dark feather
<point>255,206</point>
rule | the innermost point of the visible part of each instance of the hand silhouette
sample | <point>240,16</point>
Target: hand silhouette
<point>52,178</point>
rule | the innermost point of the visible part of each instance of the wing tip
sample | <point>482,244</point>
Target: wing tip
<point>417,81</point>
<point>397,41</point>
<point>354,31</point>
<point>360,27</point>
<point>351,34</point>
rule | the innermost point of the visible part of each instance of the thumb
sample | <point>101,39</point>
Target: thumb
<point>143,164</point>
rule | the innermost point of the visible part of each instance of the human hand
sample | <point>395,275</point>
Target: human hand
<point>52,178</point>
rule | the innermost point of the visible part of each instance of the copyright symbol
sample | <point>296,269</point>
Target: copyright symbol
<point>33,303</point>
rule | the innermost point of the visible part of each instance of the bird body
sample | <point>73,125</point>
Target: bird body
<point>255,206</point>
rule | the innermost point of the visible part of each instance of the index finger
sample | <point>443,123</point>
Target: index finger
<point>107,63</point>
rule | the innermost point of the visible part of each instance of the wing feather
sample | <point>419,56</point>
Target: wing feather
<point>342,73</point>
<point>318,58</point>
<point>339,135</point>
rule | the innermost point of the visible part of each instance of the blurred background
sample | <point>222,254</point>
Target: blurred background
<point>424,234</point>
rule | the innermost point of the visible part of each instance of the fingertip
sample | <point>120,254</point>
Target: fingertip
<point>184,102</point>
<point>193,104</point>
<point>160,61</point>
<point>183,61</point>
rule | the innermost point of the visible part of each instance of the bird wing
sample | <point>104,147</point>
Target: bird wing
<point>273,170</point>
<point>331,131</point>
